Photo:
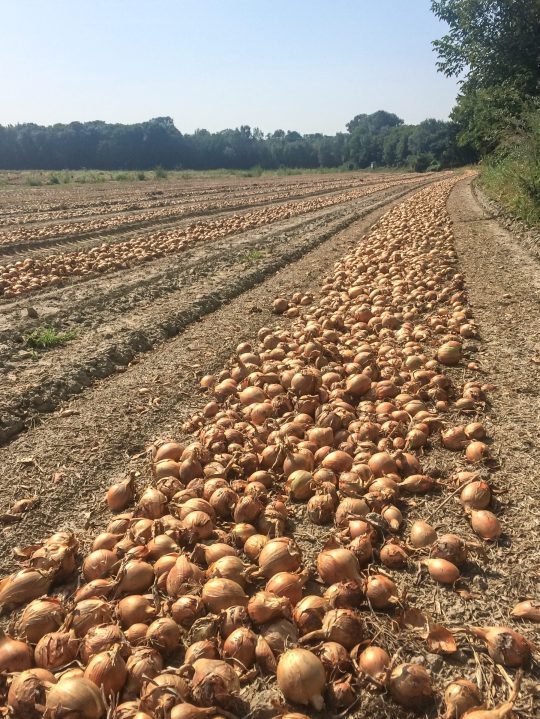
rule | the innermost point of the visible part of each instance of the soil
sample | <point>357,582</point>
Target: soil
<point>70,458</point>
<point>117,315</point>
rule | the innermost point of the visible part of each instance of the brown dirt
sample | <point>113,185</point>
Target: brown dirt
<point>118,315</point>
<point>72,457</point>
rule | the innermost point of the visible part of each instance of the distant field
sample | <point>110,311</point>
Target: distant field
<point>55,178</point>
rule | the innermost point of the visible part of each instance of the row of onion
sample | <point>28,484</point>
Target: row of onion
<point>201,582</point>
<point>43,271</point>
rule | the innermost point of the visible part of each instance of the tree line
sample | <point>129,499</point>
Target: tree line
<point>381,138</point>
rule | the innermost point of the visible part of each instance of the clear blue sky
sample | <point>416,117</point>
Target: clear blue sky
<point>307,65</point>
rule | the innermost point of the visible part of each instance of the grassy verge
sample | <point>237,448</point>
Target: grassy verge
<point>511,176</point>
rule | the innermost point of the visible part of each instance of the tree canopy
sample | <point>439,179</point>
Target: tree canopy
<point>494,47</point>
<point>381,138</point>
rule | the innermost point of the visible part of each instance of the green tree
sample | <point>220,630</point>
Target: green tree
<point>493,46</point>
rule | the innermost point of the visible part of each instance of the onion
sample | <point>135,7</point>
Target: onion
<point>381,591</point>
<point>422,534</point>
<point>214,683</point>
<point>168,450</point>
<point>23,586</point>
<point>136,576</point>
<point>393,556</point>
<point>475,430</point>
<point>190,711</point>
<point>95,588</point>
<point>217,550</point>
<point>185,610</point>
<point>15,655</point>
<point>164,635</point>
<point>334,658</point>
<point>233,618</point>
<point>204,649</point>
<point>418,484</point>
<point>240,646</point>
<point>183,576</point>
<point>477,452</point>
<point>279,555</point>
<point>286,584</point>
<point>119,495</point>
<point>504,645</point>
<point>455,438</point>
<point>309,612</point>
<point>344,595</point>
<point>74,699</point>
<point>107,670</point>
<point>219,594</point>
<point>342,692</point>
<point>27,692</point>
<point>266,606</point>
<point>145,663</point>
<point>300,485</point>
<point>450,547</point>
<point>460,696</point>
<point>528,609</point>
<point>382,463</point>
<point>199,524</point>
<point>89,613</point>
<point>159,546</point>
<point>56,649</point>
<point>40,617</point>
<point>410,685</point>
<point>135,609</point>
<point>393,516</point>
<point>338,462</point>
<point>264,657</point>
<point>485,524</point>
<point>338,565</point>
<point>374,662</point>
<point>241,532</point>
<point>301,678</point>
<point>476,495</point>
<point>98,564</point>
<point>253,546</point>
<point>100,639</point>
<point>279,635</point>
<point>161,693</point>
<point>320,509</point>
<point>136,634</point>
<point>343,626</point>
<point>228,568</point>
<point>442,571</point>
<point>130,710</point>
<point>449,353</point>
<point>350,508</point>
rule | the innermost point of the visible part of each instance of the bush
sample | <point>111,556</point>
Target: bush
<point>141,176</point>
<point>160,173</point>
<point>421,162</point>
<point>511,175</point>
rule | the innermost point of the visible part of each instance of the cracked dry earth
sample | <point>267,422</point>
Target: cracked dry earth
<point>69,457</point>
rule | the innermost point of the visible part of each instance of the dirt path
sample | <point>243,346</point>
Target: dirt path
<point>503,281</point>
